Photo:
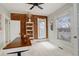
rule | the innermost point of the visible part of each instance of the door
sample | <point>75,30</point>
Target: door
<point>41,28</point>
<point>14,29</point>
<point>7,31</point>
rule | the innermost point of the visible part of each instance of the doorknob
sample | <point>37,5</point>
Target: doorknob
<point>75,36</point>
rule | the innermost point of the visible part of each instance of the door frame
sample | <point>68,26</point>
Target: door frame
<point>41,19</point>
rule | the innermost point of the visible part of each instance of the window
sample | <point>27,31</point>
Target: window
<point>63,28</point>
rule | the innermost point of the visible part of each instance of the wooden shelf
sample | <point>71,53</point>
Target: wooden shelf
<point>29,26</point>
<point>30,29</point>
<point>29,22</point>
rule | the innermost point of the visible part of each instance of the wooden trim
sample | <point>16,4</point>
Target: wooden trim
<point>23,18</point>
<point>46,27</point>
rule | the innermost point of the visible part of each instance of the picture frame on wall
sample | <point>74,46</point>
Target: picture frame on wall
<point>51,26</point>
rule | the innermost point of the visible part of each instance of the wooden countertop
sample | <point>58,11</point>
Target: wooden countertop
<point>18,43</point>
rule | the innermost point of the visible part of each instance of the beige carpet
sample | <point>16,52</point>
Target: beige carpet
<point>39,48</point>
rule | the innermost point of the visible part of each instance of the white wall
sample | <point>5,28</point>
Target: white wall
<point>4,14</point>
<point>67,46</point>
<point>3,39</point>
<point>78,24</point>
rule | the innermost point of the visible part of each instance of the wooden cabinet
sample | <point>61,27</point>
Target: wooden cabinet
<point>30,30</point>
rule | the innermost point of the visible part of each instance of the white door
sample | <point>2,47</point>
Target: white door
<point>41,28</point>
<point>14,29</point>
<point>7,31</point>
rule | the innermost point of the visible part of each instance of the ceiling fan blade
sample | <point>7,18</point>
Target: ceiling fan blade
<point>30,3</point>
<point>39,7</point>
<point>32,7</point>
<point>40,3</point>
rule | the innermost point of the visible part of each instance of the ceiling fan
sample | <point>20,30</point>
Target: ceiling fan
<point>35,4</point>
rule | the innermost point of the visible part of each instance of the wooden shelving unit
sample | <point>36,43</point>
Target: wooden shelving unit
<point>30,29</point>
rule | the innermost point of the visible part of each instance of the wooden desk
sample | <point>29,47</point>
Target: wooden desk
<point>18,52</point>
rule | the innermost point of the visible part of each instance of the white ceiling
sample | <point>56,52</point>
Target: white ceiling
<point>48,8</point>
